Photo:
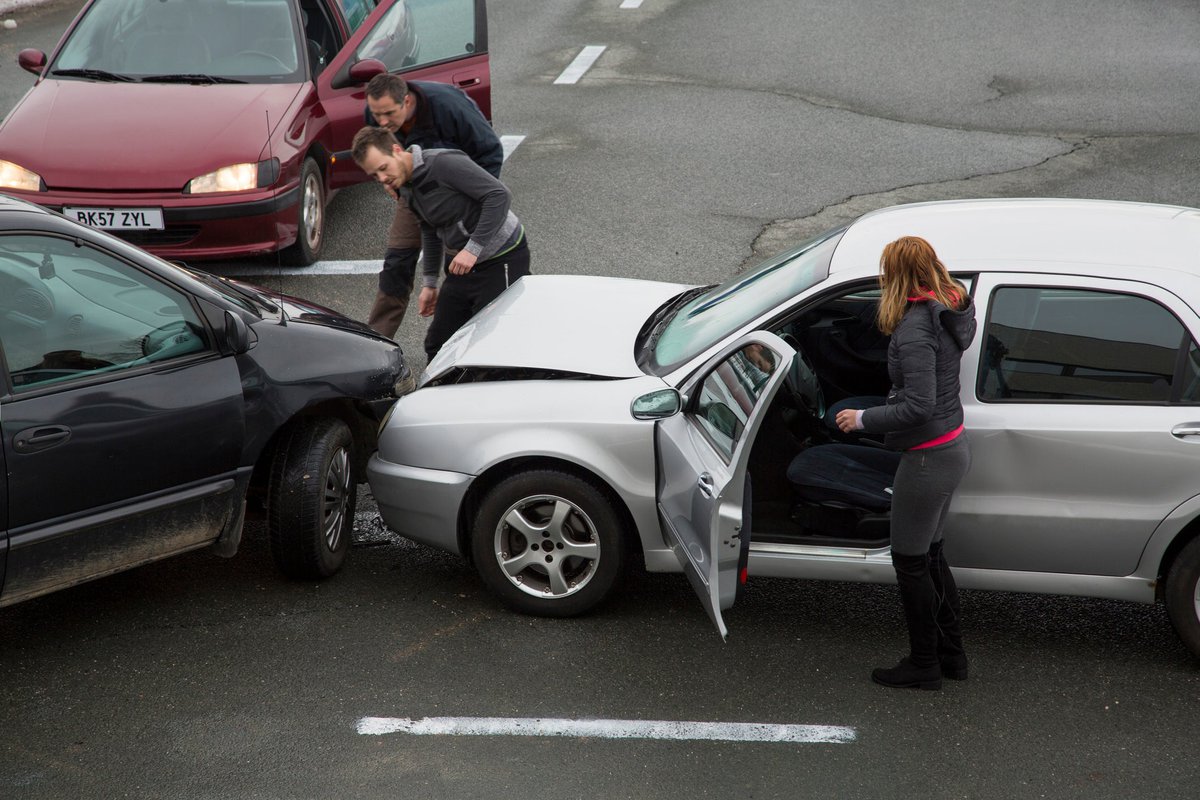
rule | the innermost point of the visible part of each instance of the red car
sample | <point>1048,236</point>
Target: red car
<point>205,129</point>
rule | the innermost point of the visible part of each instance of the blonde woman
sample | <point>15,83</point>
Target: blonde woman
<point>931,320</point>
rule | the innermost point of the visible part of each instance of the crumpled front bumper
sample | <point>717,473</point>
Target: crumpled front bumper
<point>419,504</point>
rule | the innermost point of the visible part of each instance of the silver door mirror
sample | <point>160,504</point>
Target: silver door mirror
<point>657,404</point>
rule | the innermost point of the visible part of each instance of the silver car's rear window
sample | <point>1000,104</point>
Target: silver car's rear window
<point>712,316</point>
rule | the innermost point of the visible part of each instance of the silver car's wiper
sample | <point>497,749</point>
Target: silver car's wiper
<point>189,77</point>
<point>94,74</point>
<point>653,327</point>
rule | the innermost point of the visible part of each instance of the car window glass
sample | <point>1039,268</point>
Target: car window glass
<point>421,32</point>
<point>356,11</point>
<point>69,311</point>
<point>251,40</point>
<point>729,393</point>
<point>321,35</point>
<point>707,319</point>
<point>1190,387</point>
<point>1080,346</point>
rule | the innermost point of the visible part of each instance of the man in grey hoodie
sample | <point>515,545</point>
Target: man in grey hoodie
<point>465,220</point>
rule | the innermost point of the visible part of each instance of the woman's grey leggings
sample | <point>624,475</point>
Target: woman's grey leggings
<point>925,483</point>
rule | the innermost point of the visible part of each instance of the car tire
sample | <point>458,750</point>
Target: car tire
<point>1182,595</point>
<point>311,498</point>
<point>573,564</point>
<point>310,230</point>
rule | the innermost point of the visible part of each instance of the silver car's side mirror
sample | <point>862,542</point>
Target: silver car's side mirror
<point>658,404</point>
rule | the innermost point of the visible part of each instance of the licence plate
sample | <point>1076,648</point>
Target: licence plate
<point>118,219</point>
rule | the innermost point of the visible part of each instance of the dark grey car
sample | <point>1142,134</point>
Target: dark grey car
<point>143,405</point>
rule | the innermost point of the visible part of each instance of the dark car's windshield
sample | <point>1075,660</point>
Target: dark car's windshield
<point>195,41</point>
<point>710,317</point>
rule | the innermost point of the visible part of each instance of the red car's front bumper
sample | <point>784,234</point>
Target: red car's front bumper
<point>197,227</point>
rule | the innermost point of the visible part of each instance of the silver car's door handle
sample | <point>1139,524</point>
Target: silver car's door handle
<point>706,484</point>
<point>1186,429</point>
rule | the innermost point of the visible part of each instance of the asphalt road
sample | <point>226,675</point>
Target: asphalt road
<point>707,132</point>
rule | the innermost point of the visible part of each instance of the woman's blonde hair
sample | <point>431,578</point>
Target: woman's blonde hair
<point>909,267</point>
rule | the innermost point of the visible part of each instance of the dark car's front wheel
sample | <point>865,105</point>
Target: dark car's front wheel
<point>1182,595</point>
<point>548,543</point>
<point>311,498</point>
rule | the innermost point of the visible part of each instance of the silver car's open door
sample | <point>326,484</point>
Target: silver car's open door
<point>702,459</point>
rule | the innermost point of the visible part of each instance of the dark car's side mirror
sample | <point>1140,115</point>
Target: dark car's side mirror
<point>362,71</point>
<point>32,60</point>
<point>237,334</point>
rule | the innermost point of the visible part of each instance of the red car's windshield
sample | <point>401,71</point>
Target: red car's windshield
<point>253,41</point>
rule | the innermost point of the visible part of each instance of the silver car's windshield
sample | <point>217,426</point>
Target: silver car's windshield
<point>253,41</point>
<point>709,318</point>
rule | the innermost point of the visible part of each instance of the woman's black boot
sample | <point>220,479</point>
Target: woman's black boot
<point>920,668</point>
<point>949,641</point>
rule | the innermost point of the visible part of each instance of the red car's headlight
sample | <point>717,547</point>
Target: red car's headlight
<point>14,176</point>
<point>235,178</point>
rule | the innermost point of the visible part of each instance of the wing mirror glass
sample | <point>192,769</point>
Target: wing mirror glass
<point>657,404</point>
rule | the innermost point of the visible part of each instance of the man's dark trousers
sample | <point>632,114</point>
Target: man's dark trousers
<point>462,296</point>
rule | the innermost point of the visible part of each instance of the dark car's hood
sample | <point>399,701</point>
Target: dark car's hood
<point>140,136</point>
<point>300,310</point>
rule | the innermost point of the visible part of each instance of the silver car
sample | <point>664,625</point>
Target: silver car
<point>578,420</point>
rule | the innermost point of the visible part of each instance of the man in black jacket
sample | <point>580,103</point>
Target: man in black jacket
<point>432,116</point>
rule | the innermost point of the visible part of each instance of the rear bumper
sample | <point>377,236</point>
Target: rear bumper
<point>197,227</point>
<point>419,504</point>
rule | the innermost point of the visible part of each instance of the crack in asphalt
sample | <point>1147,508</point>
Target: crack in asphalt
<point>778,234</point>
<point>1003,86</point>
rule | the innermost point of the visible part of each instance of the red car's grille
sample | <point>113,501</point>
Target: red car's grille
<point>176,234</point>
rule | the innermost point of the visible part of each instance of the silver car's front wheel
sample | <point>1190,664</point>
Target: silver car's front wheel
<point>548,543</point>
<point>547,546</point>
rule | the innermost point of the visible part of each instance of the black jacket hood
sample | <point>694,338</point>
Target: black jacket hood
<point>959,324</point>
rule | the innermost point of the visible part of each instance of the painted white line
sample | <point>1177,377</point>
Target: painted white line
<point>608,729</point>
<point>631,4</point>
<point>582,63</point>
<point>319,268</point>
<point>510,143</point>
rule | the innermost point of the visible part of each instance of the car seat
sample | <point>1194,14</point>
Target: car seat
<point>843,490</point>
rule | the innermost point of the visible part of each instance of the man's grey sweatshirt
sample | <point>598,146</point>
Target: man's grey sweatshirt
<point>460,207</point>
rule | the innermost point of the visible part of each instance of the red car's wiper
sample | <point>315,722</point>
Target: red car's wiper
<point>94,74</point>
<point>188,77</point>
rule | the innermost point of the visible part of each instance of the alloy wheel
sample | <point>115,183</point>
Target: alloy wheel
<point>547,546</point>
<point>313,211</point>
<point>337,495</point>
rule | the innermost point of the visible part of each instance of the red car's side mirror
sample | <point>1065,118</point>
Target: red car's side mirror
<point>32,60</point>
<point>362,71</point>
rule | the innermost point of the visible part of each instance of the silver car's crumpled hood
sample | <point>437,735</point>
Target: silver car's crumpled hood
<point>573,323</point>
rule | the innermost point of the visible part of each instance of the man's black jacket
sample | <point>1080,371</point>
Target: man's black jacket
<point>448,119</point>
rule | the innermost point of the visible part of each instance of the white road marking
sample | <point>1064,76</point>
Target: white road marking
<point>319,268</point>
<point>608,729</point>
<point>509,143</point>
<point>631,4</point>
<point>582,63</point>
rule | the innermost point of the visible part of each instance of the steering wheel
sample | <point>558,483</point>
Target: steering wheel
<point>167,336</point>
<point>802,381</point>
<point>268,56</point>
